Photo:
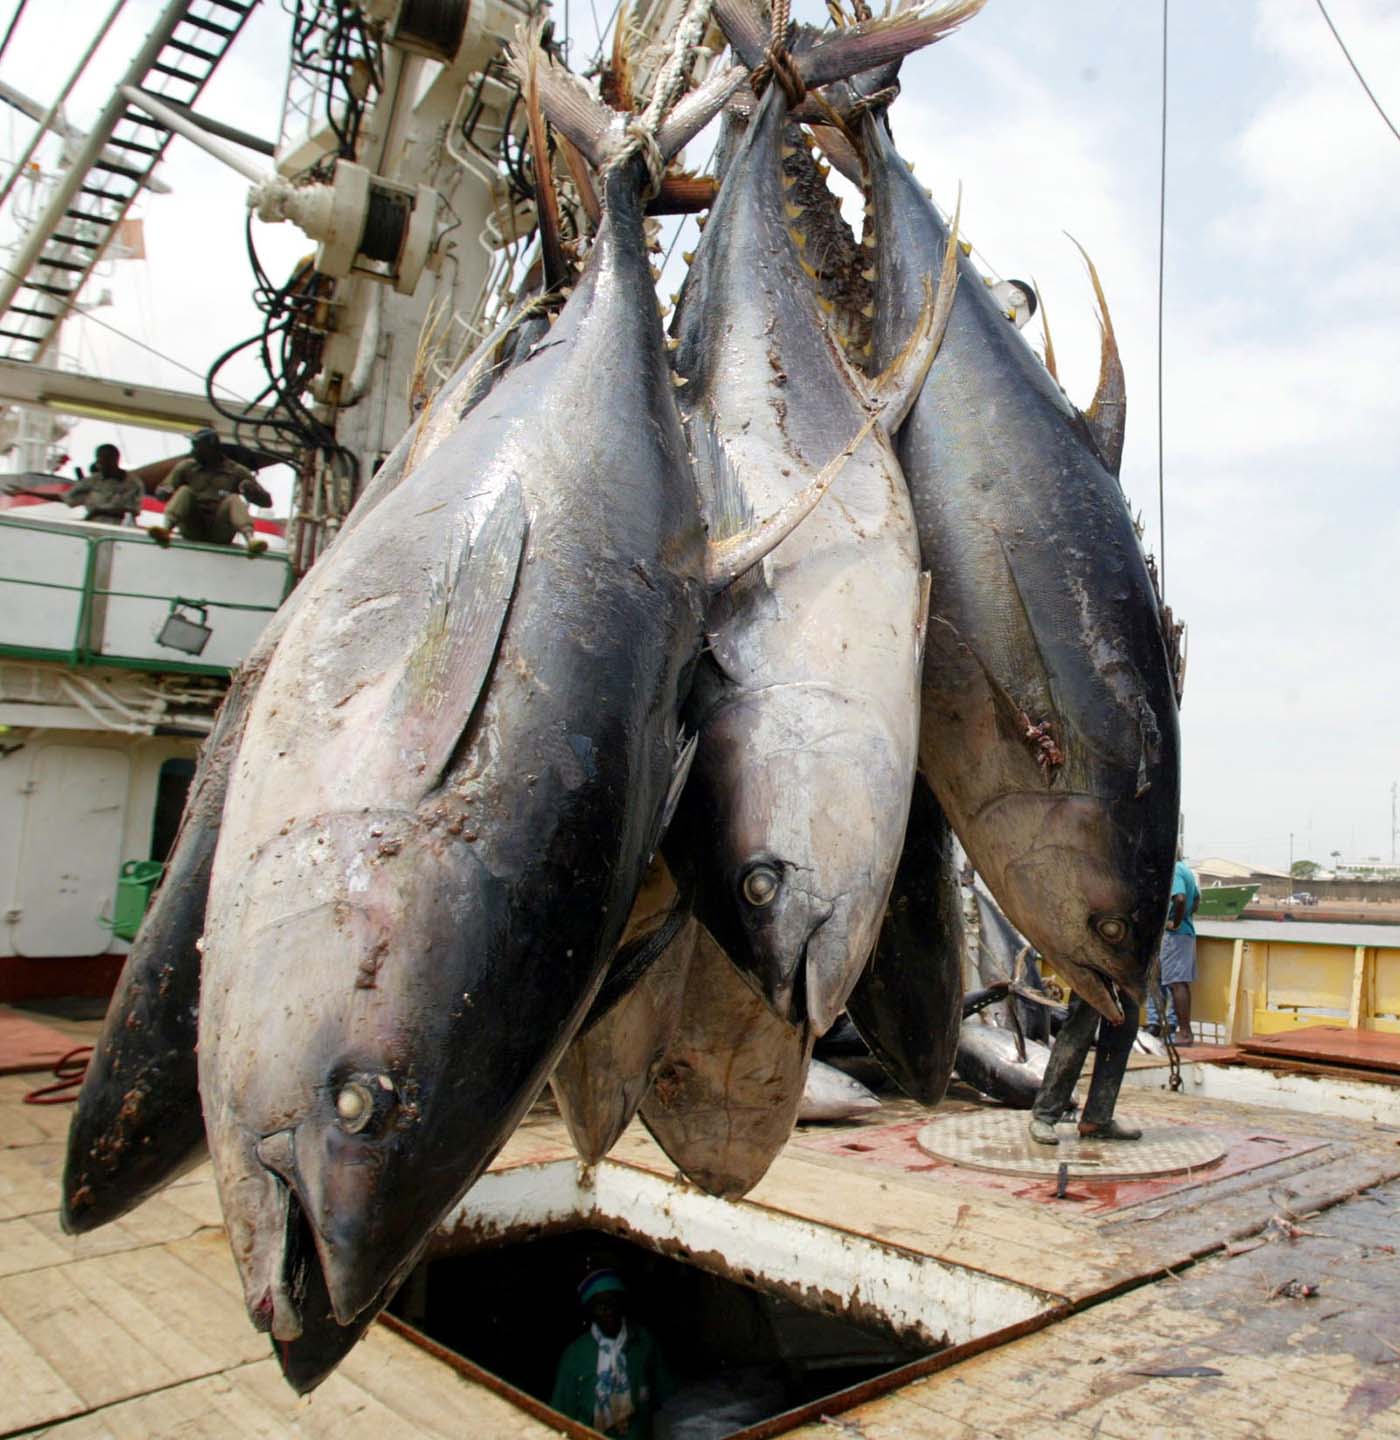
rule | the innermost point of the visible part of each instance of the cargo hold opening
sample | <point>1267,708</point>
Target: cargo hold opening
<point>737,1354</point>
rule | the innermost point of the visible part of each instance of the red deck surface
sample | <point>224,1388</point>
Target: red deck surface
<point>1366,1049</point>
<point>27,1044</point>
<point>896,1147</point>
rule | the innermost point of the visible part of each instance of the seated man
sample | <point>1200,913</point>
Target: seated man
<point>109,493</point>
<point>207,498</point>
<point>612,1377</point>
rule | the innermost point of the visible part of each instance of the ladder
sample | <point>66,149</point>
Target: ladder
<point>40,287</point>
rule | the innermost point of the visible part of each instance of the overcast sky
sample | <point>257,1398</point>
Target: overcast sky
<point>1281,352</point>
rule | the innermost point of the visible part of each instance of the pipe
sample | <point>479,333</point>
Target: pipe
<point>217,127</point>
<point>57,105</point>
<point>183,125</point>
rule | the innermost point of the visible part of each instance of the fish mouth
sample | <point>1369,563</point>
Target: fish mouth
<point>329,1226</point>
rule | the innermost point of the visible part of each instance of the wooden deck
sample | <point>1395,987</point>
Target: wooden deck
<point>138,1330</point>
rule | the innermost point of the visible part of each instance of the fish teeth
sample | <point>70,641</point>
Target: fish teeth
<point>789,181</point>
<point>965,246</point>
<point>798,238</point>
<point>673,342</point>
<point>794,212</point>
<point>868,274</point>
<point>810,271</point>
<point>787,151</point>
<point>679,380</point>
<point>828,307</point>
<point>868,241</point>
<point>823,169</point>
<point>868,311</point>
<point>688,256</point>
<point>700,222</point>
<point>656,272</point>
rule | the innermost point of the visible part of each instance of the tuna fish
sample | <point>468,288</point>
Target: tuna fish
<point>990,1060</point>
<point>908,1005</point>
<point>807,702</point>
<point>727,1095</point>
<point>605,1074</point>
<point>138,1122</point>
<point>830,1095</point>
<point>453,777</point>
<point>1049,726</point>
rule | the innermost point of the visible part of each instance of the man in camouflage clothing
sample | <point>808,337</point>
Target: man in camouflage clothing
<point>207,498</point>
<point>109,493</point>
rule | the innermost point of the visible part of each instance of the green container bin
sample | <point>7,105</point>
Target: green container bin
<point>134,885</point>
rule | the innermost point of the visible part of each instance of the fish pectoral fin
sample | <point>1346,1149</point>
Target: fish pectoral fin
<point>451,655</point>
<point>727,559</point>
<point>681,762</point>
<point>1107,415</point>
<point>898,386</point>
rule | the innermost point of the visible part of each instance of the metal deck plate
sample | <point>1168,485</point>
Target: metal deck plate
<point>998,1140</point>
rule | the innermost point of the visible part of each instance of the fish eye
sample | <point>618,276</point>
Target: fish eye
<point>1112,929</point>
<point>361,1101</point>
<point>760,885</point>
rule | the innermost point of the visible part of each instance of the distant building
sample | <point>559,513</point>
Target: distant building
<point>1217,871</point>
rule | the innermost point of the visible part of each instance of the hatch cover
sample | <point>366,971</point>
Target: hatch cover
<point>999,1140</point>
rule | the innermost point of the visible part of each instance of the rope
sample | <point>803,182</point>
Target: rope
<point>70,1071</point>
<point>878,101</point>
<point>670,81</point>
<point>1369,93</point>
<point>1161,309</point>
<point>778,63</point>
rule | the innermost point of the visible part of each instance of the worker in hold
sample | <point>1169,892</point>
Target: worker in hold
<point>108,492</point>
<point>208,498</point>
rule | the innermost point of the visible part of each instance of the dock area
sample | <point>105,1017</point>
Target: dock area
<point>1256,1295</point>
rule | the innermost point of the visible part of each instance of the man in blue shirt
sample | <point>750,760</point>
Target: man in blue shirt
<point>1179,949</point>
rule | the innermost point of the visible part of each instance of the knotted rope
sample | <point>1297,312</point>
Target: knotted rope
<point>670,82</point>
<point>778,63</point>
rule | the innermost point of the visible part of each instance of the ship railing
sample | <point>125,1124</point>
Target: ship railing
<point>96,596</point>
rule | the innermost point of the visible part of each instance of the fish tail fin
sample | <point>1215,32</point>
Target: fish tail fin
<point>546,201</point>
<point>895,389</point>
<point>869,45</point>
<point>595,128</point>
<point>563,97</point>
<point>1107,415</point>
<point>619,79</point>
<point>1050,364</point>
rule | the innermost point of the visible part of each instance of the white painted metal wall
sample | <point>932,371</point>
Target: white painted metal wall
<point>73,808</point>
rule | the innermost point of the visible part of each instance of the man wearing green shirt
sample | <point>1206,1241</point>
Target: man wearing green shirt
<point>107,491</point>
<point>612,1377</point>
<point>208,498</point>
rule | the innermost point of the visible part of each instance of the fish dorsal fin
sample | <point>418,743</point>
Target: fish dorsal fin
<point>1107,415</point>
<point>1045,329</point>
<point>896,388</point>
<point>457,640</point>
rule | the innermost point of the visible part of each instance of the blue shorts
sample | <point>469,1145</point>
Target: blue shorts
<point>1178,958</point>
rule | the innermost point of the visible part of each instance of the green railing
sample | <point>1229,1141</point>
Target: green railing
<point>84,648</point>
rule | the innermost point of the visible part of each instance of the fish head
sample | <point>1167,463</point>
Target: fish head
<point>338,1135</point>
<point>1073,872</point>
<point>803,801</point>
